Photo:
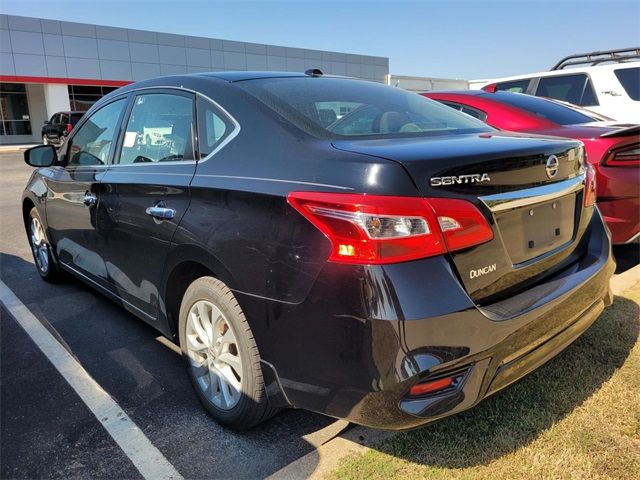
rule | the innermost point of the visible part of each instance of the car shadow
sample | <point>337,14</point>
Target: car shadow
<point>627,256</point>
<point>517,415</point>
<point>146,376</point>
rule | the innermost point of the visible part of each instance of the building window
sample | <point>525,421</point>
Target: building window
<point>14,110</point>
<point>82,97</point>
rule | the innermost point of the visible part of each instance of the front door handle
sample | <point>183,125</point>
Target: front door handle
<point>89,199</point>
<point>160,212</point>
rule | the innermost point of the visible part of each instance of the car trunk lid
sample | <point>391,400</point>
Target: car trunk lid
<point>528,188</point>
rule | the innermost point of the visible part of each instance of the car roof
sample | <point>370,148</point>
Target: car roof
<point>239,76</point>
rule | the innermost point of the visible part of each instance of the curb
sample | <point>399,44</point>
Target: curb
<point>325,458</point>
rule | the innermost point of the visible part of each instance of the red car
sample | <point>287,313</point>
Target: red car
<point>612,148</point>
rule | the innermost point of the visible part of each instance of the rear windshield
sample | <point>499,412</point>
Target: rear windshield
<point>547,109</point>
<point>630,80</point>
<point>341,108</point>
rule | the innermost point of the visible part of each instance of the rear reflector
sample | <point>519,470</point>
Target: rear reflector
<point>590,186</point>
<point>431,387</point>
<point>376,229</point>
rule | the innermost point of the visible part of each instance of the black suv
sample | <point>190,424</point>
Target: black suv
<point>325,243</point>
<point>56,129</point>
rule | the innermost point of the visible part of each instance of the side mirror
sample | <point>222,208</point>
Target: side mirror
<point>41,156</point>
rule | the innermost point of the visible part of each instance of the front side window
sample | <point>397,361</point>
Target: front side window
<point>339,108</point>
<point>93,142</point>
<point>159,129</point>
<point>514,86</point>
<point>568,88</point>
<point>630,80</point>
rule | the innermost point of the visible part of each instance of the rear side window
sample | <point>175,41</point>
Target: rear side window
<point>630,80</point>
<point>576,89</point>
<point>213,127</point>
<point>474,112</point>
<point>159,129</point>
<point>339,108</point>
<point>515,86</point>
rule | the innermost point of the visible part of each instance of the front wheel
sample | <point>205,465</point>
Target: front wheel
<point>221,355</point>
<point>41,249</point>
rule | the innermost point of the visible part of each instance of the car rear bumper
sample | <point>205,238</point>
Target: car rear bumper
<point>356,355</point>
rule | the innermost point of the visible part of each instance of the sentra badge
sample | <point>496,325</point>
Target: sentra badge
<point>460,179</point>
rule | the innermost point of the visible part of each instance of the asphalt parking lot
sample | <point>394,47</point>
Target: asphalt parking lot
<point>46,429</point>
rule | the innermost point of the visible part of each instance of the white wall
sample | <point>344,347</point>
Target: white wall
<point>424,84</point>
<point>56,98</point>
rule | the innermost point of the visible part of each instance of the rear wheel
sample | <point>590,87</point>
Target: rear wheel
<point>221,355</point>
<point>41,249</point>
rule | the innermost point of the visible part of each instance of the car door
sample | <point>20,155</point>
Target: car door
<point>74,188</point>
<point>146,192</point>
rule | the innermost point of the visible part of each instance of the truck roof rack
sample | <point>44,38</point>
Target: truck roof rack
<point>596,58</point>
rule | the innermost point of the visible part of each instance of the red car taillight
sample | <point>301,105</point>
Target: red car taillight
<point>590,186</point>
<point>624,157</point>
<point>491,88</point>
<point>69,128</point>
<point>376,229</point>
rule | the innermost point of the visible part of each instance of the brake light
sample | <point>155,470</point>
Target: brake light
<point>491,88</point>
<point>624,157</point>
<point>590,185</point>
<point>69,128</point>
<point>376,229</point>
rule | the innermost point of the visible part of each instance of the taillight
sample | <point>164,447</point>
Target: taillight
<point>590,186</point>
<point>491,88</point>
<point>376,229</point>
<point>624,157</point>
<point>69,128</point>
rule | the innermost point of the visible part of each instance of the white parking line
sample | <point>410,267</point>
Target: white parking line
<point>144,455</point>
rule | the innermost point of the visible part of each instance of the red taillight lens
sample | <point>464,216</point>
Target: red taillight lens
<point>375,229</point>
<point>491,88</point>
<point>624,157</point>
<point>461,223</point>
<point>590,186</point>
<point>69,127</point>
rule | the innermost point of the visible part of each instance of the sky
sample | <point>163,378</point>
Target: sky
<point>448,39</point>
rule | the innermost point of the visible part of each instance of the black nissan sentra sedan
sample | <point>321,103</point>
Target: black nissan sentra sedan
<point>325,243</point>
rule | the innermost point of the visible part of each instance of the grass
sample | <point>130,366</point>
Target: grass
<point>576,417</point>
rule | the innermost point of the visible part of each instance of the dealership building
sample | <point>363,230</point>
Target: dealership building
<point>48,66</point>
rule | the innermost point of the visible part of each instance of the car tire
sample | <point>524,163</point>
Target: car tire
<point>41,249</point>
<point>221,355</point>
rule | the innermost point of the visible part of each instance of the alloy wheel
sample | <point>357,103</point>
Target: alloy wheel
<point>39,245</point>
<point>214,355</point>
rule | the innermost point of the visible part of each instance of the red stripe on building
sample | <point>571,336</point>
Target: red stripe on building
<point>66,81</point>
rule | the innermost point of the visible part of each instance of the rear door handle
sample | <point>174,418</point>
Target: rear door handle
<point>160,212</point>
<point>89,199</point>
